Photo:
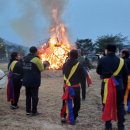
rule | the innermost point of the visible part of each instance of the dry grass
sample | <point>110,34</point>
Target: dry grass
<point>3,66</point>
<point>49,106</point>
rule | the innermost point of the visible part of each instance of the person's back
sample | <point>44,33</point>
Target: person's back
<point>18,71</point>
<point>79,71</point>
<point>113,73</point>
<point>32,68</point>
<point>74,75</point>
<point>107,65</point>
<point>32,74</point>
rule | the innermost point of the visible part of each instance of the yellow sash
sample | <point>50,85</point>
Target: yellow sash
<point>12,65</point>
<point>119,67</point>
<point>106,80</point>
<point>71,74</point>
<point>68,82</point>
<point>38,63</point>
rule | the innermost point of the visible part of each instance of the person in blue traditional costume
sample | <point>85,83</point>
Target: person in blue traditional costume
<point>125,55</point>
<point>32,68</point>
<point>113,73</point>
<point>14,79</point>
<point>74,76</point>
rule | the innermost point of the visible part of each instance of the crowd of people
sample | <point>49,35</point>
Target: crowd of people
<point>114,72</point>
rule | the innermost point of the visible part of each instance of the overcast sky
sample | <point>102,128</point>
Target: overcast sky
<point>84,19</point>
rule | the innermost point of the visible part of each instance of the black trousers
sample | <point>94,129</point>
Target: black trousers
<point>120,107</point>
<point>17,84</point>
<point>31,99</point>
<point>76,102</point>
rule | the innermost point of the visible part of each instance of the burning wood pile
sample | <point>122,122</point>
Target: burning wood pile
<point>55,51</point>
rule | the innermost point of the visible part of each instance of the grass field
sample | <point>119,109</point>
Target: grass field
<point>3,66</point>
<point>49,106</point>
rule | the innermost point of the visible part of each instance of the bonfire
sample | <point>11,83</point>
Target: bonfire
<point>55,50</point>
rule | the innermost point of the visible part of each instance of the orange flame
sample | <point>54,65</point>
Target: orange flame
<point>55,51</point>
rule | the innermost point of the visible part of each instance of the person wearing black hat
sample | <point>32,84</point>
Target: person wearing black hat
<point>32,68</point>
<point>74,75</point>
<point>111,70</point>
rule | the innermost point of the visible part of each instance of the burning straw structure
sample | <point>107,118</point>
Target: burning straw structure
<point>56,49</point>
<point>55,52</point>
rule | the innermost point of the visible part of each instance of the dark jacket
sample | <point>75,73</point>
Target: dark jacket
<point>31,72</point>
<point>17,72</point>
<point>108,64</point>
<point>127,61</point>
<point>78,77</point>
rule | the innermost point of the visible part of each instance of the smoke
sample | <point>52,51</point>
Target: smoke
<point>26,24</point>
<point>50,6</point>
<point>53,10</point>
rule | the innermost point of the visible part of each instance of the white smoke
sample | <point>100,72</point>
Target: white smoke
<point>26,24</point>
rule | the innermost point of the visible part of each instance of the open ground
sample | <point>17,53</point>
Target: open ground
<point>49,106</point>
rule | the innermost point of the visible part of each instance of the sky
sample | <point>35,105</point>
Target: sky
<point>83,18</point>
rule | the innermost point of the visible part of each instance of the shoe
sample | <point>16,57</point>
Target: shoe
<point>35,114</point>
<point>28,113</point>
<point>14,107</point>
<point>63,120</point>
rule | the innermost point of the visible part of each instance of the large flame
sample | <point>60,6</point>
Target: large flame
<point>55,51</point>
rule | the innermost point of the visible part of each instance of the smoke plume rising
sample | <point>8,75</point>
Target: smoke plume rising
<point>30,10</point>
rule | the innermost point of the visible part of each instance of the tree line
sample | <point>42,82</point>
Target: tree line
<point>6,48</point>
<point>87,46</point>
